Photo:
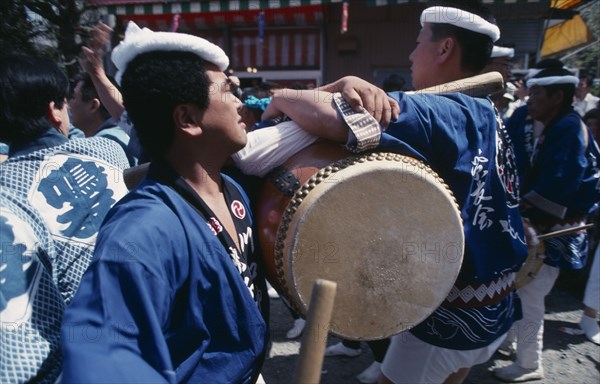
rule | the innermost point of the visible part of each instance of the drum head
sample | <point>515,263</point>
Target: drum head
<point>386,229</point>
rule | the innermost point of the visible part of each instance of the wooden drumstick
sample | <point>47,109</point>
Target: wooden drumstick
<point>563,232</point>
<point>475,86</point>
<point>314,339</point>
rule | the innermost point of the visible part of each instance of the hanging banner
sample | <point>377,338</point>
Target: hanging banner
<point>175,23</point>
<point>261,27</point>
<point>345,7</point>
<point>567,35</point>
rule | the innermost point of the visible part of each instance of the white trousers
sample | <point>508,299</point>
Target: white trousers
<point>591,298</point>
<point>529,331</point>
<point>412,361</point>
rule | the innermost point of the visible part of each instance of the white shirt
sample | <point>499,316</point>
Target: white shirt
<point>583,106</point>
<point>270,147</point>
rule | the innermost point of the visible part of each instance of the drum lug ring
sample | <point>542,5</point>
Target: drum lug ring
<point>284,180</point>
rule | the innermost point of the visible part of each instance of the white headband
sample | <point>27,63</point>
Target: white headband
<point>552,80</point>
<point>502,52</point>
<point>532,72</point>
<point>509,96</point>
<point>462,19</point>
<point>138,41</point>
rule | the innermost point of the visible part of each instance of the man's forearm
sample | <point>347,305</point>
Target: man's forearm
<point>108,94</point>
<point>313,111</point>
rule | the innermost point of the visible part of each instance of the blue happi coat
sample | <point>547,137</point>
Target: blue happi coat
<point>561,181</point>
<point>62,190</point>
<point>162,300</point>
<point>31,304</point>
<point>461,139</point>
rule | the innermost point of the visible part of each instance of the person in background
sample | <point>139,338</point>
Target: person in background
<point>504,101</point>
<point>584,100</point>
<point>266,88</point>
<point>591,299</point>
<point>252,110</point>
<point>500,61</point>
<point>521,95</point>
<point>351,348</point>
<point>92,62</point>
<point>588,322</point>
<point>461,139</point>
<point>90,116</point>
<point>562,154</point>
<point>61,189</point>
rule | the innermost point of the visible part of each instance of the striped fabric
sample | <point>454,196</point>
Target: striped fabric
<point>378,3</point>
<point>295,47</point>
<point>200,20</point>
<point>292,40</point>
<point>137,7</point>
<point>290,48</point>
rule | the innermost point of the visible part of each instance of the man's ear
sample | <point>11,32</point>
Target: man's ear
<point>55,114</point>
<point>446,48</point>
<point>185,117</point>
<point>95,104</point>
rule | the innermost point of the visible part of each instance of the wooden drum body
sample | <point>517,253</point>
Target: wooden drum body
<point>383,226</point>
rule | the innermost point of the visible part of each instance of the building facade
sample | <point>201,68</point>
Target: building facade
<point>302,40</point>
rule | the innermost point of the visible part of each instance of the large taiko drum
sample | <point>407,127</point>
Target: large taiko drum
<point>383,226</point>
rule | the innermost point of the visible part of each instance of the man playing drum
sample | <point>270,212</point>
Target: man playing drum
<point>461,138</point>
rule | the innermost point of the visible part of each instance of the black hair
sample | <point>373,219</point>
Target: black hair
<point>587,77</point>
<point>549,64</point>
<point>268,85</point>
<point>28,84</point>
<point>256,112</point>
<point>298,85</point>
<point>393,82</point>
<point>476,48</point>
<point>153,84</point>
<point>89,92</point>
<point>568,91</point>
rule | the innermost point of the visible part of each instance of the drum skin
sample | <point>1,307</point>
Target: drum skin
<point>383,226</point>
